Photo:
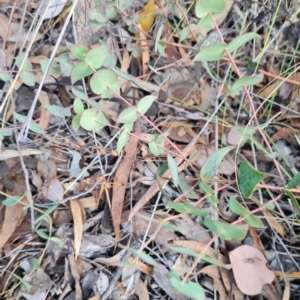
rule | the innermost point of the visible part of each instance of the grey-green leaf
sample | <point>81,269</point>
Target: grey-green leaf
<point>212,164</point>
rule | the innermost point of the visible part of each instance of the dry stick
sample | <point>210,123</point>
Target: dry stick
<point>25,128</point>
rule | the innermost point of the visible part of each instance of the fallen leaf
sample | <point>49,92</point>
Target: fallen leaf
<point>214,273</point>
<point>12,218</point>
<point>15,32</point>
<point>140,223</point>
<point>9,153</point>
<point>45,114</point>
<point>78,225</point>
<point>122,175</point>
<point>147,15</point>
<point>54,9</point>
<point>250,270</point>
<point>53,191</point>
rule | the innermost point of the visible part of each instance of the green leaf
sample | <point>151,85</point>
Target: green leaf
<point>173,169</point>
<point>78,106</point>
<point>145,103</point>
<point>184,187</point>
<point>241,40</point>
<point>11,201</point>
<point>248,178</point>
<point>244,81</point>
<point>156,146</point>
<point>187,208</point>
<point>80,71</point>
<point>58,111</point>
<point>102,80</point>
<point>124,137</point>
<point>87,119</point>
<point>211,198</point>
<point>33,126</point>
<point>27,78</point>
<point>142,254</point>
<point>57,241</point>
<point>100,121</point>
<point>96,56</point>
<point>293,182</point>
<point>212,164</point>
<point>211,53</point>
<point>206,22</point>
<point>77,51</point>
<point>54,69</point>
<point>189,289</point>
<point>42,234</point>
<point>227,232</point>
<point>65,64</point>
<point>293,199</point>
<point>203,7</point>
<point>240,210</point>
<point>27,64</point>
<point>79,93</point>
<point>128,115</point>
<point>90,119</point>
<point>4,76</point>
<point>172,227</point>
<point>76,123</point>
<point>24,283</point>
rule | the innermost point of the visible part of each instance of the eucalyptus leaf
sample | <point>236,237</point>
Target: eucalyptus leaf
<point>241,40</point>
<point>128,115</point>
<point>213,162</point>
<point>80,71</point>
<point>203,7</point>
<point>240,210</point>
<point>248,178</point>
<point>211,53</point>
<point>226,231</point>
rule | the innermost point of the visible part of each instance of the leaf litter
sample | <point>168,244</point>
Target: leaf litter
<point>89,163</point>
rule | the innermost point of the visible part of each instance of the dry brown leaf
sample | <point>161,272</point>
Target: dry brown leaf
<point>10,153</point>
<point>122,175</point>
<point>226,276</point>
<point>281,133</point>
<point>273,222</point>
<point>140,265</point>
<point>287,275</point>
<point>269,91</point>
<point>78,225</point>
<point>89,202</point>
<point>47,169</point>
<point>111,261</point>
<point>14,32</point>
<point>45,114</point>
<point>140,223</point>
<point>53,191</point>
<point>213,272</point>
<point>250,270</point>
<point>141,290</point>
<point>75,274</point>
<point>12,217</point>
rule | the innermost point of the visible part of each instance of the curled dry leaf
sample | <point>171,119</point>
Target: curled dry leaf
<point>249,269</point>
